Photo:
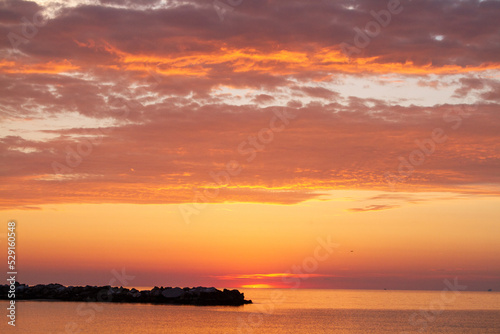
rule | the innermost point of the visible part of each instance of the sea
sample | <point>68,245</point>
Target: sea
<point>274,311</point>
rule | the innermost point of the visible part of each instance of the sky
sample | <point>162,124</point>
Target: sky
<point>263,143</point>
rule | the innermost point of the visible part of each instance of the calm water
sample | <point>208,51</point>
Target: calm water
<point>275,311</point>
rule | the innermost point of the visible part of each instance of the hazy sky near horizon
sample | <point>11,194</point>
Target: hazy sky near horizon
<point>222,142</point>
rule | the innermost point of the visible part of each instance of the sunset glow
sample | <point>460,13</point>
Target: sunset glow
<point>188,148</point>
<point>258,286</point>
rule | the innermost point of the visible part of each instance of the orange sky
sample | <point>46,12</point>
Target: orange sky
<point>192,149</point>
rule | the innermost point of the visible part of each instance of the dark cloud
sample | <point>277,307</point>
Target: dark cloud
<point>374,207</point>
<point>469,29</point>
<point>263,98</point>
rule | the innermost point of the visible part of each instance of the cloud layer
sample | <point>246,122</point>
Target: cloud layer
<point>156,102</point>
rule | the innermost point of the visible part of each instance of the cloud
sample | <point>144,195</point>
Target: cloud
<point>259,37</point>
<point>469,85</point>
<point>174,93</point>
<point>263,98</point>
<point>373,207</point>
<point>175,150</point>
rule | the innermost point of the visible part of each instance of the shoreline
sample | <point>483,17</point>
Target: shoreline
<point>197,296</point>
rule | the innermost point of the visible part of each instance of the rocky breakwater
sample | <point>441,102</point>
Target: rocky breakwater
<point>178,296</point>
